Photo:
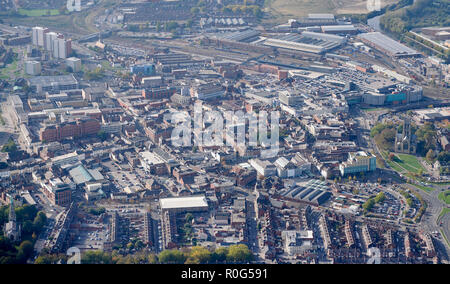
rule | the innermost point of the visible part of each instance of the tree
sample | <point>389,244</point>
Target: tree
<point>430,155</point>
<point>199,255</point>
<point>368,205</point>
<point>40,221</point>
<point>380,197</point>
<point>239,253</point>
<point>426,137</point>
<point>391,156</point>
<point>96,257</point>
<point>26,212</point>
<point>188,217</point>
<point>219,255</point>
<point>27,227</point>
<point>50,259</point>
<point>10,147</point>
<point>444,157</point>
<point>172,256</point>
<point>25,250</point>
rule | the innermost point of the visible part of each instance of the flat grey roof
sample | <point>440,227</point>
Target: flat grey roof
<point>52,80</point>
<point>385,42</point>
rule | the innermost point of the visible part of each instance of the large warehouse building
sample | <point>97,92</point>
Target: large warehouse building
<point>306,42</point>
<point>53,84</point>
<point>314,192</point>
<point>387,45</point>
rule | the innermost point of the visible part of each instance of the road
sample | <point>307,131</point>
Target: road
<point>429,222</point>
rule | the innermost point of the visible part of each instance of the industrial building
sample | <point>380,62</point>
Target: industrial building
<point>53,84</point>
<point>339,29</point>
<point>309,42</point>
<point>207,91</point>
<point>387,45</point>
<point>248,35</point>
<point>314,192</point>
<point>314,20</point>
<point>143,69</point>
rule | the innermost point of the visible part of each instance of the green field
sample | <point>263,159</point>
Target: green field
<point>5,73</point>
<point>445,197</point>
<point>39,12</point>
<point>409,163</point>
<point>405,163</point>
<point>301,8</point>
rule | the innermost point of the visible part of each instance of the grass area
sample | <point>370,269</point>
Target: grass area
<point>55,22</point>
<point>445,197</point>
<point>444,211</point>
<point>422,187</point>
<point>395,166</point>
<point>5,73</point>
<point>409,163</point>
<point>38,12</point>
<point>441,183</point>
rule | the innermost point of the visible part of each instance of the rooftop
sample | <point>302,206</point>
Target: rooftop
<point>183,202</point>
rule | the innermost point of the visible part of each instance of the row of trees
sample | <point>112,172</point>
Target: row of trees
<point>12,254</point>
<point>195,255</point>
<point>384,135</point>
<point>243,9</point>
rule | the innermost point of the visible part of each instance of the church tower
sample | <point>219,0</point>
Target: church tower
<point>12,229</point>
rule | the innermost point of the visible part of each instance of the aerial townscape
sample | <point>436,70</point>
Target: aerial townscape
<point>224,131</point>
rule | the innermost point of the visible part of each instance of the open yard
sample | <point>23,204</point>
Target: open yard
<point>301,8</point>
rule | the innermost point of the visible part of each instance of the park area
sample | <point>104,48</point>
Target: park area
<point>408,165</point>
<point>405,163</point>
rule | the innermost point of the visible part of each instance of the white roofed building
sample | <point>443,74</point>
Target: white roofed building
<point>184,204</point>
